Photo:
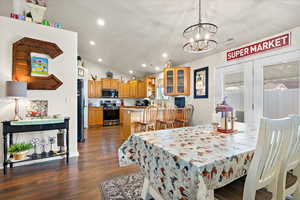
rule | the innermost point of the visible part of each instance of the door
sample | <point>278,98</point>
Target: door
<point>276,84</point>
<point>91,89</point>
<point>106,83</point>
<point>235,83</point>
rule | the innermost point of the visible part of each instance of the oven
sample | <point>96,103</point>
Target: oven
<point>111,116</point>
<point>109,93</point>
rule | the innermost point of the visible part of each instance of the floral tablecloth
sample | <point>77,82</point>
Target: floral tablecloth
<point>189,163</point>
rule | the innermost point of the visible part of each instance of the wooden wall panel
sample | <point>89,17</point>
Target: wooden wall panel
<point>22,63</point>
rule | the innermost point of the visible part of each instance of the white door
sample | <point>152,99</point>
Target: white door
<point>235,82</point>
<point>276,86</point>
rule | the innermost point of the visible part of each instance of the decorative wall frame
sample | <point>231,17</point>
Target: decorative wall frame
<point>201,81</point>
<point>22,50</point>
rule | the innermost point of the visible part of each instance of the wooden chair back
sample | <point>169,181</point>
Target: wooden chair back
<point>150,114</point>
<point>291,160</point>
<point>188,113</point>
<point>169,114</point>
<point>270,149</point>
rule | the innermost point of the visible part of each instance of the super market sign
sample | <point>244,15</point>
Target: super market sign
<point>259,47</point>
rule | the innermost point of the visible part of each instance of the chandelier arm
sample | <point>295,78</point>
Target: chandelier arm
<point>199,11</point>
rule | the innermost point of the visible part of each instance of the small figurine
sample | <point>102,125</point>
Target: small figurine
<point>43,145</point>
<point>35,142</point>
<point>51,141</point>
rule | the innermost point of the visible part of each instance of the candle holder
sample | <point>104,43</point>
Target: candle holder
<point>35,142</point>
<point>227,117</point>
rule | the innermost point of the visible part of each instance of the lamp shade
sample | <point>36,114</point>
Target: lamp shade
<point>16,89</point>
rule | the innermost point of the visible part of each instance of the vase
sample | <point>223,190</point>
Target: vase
<point>20,155</point>
<point>37,12</point>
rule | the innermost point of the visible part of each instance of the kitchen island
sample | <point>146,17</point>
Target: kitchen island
<point>130,115</point>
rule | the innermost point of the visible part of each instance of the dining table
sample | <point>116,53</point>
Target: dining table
<point>190,163</point>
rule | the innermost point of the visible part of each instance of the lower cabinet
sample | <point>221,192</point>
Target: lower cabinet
<point>95,116</point>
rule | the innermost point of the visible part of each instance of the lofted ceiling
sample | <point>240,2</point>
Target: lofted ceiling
<point>140,31</point>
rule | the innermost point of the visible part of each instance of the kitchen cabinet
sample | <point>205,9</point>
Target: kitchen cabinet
<point>108,83</point>
<point>95,116</point>
<point>177,81</point>
<point>141,90</point>
<point>133,89</point>
<point>94,89</point>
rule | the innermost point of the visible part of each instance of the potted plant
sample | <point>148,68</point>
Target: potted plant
<point>19,151</point>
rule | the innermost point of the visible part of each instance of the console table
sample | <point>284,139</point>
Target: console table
<point>14,127</point>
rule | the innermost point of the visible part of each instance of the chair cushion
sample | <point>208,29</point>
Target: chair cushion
<point>290,180</point>
<point>235,190</point>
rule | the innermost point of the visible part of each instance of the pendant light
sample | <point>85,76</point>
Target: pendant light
<point>200,36</point>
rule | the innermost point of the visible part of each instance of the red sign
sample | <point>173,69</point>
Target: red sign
<point>273,43</point>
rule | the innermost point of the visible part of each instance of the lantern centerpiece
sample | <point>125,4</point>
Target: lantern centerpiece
<point>226,117</point>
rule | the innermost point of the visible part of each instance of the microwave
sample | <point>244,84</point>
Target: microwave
<point>109,93</point>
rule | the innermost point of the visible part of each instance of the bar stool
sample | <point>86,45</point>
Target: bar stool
<point>265,166</point>
<point>148,122</point>
<point>184,118</point>
<point>168,118</point>
<point>288,183</point>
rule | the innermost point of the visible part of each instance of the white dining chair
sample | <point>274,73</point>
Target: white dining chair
<point>265,165</point>
<point>287,182</point>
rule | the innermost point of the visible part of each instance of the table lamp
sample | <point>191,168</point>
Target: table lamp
<point>16,90</point>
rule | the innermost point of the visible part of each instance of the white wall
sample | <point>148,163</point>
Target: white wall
<point>61,101</point>
<point>100,70</point>
<point>205,107</point>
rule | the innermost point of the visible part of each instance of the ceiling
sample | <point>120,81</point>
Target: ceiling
<point>140,31</point>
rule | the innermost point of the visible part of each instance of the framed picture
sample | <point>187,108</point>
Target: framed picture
<point>39,64</point>
<point>37,109</point>
<point>81,72</point>
<point>201,83</point>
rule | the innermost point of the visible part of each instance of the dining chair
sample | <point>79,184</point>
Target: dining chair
<point>265,165</point>
<point>287,182</point>
<point>186,116</point>
<point>148,122</point>
<point>167,120</point>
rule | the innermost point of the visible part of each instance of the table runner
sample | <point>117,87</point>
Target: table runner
<point>181,163</point>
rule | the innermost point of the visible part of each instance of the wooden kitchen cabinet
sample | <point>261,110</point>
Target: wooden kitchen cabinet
<point>141,90</point>
<point>114,84</point>
<point>108,83</point>
<point>177,81</point>
<point>94,89</point>
<point>133,89</point>
<point>95,116</point>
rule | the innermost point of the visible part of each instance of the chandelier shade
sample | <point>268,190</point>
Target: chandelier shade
<point>200,36</point>
<point>199,46</point>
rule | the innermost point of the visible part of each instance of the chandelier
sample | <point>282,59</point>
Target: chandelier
<point>200,36</point>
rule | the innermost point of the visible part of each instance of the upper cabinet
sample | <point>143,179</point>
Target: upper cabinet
<point>94,89</point>
<point>177,81</point>
<point>108,83</point>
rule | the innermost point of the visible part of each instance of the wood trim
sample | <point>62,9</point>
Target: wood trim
<point>21,69</point>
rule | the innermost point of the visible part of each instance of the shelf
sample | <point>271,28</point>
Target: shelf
<point>39,157</point>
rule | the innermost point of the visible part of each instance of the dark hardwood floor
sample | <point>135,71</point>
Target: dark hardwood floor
<point>56,180</point>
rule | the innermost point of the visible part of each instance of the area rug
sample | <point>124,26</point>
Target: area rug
<point>127,187</point>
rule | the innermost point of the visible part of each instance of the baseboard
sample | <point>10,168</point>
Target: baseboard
<point>72,155</point>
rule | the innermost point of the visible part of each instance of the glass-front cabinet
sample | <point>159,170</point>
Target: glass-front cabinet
<point>177,81</point>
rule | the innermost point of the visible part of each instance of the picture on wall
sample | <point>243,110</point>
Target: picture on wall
<point>201,83</point>
<point>37,109</point>
<point>39,65</point>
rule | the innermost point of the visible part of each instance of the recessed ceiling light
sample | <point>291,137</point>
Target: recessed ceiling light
<point>101,22</point>
<point>92,43</point>
<point>157,68</point>
<point>164,55</point>
<point>144,65</point>
<point>100,60</point>
<point>130,71</point>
